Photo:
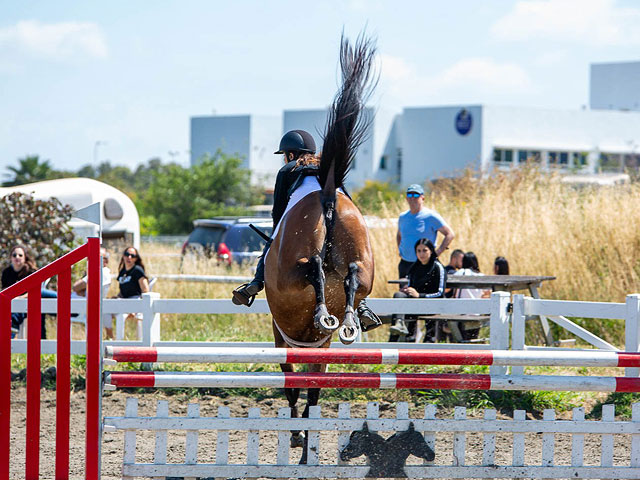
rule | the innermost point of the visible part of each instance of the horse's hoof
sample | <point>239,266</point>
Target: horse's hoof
<point>326,323</point>
<point>297,441</point>
<point>348,334</point>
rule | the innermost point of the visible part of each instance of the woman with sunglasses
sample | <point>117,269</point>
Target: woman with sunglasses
<point>132,280</point>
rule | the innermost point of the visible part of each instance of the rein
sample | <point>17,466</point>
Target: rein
<point>294,343</point>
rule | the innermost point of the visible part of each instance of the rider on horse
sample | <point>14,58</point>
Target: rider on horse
<point>299,151</point>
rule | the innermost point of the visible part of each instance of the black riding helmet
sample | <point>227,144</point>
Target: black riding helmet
<point>297,141</point>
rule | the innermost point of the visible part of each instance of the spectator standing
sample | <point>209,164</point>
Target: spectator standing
<point>455,264</point>
<point>427,279</point>
<point>500,266</point>
<point>416,223</point>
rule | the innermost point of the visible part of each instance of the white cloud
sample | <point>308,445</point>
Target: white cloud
<point>395,68</point>
<point>484,73</point>
<point>57,41</point>
<point>592,22</point>
<point>472,78</point>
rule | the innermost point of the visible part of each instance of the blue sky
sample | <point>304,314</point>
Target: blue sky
<point>130,74</point>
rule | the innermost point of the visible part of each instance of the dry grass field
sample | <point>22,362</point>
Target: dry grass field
<point>589,238</point>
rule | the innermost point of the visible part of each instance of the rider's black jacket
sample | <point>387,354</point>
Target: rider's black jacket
<point>289,178</point>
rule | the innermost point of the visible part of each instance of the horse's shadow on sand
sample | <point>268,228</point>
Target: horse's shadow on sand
<point>387,457</point>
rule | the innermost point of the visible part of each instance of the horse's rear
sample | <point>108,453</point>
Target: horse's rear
<point>301,255</point>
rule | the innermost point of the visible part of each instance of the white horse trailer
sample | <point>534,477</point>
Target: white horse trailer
<point>120,221</point>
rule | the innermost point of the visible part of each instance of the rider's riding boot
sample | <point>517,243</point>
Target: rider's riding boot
<point>246,293</point>
<point>368,318</point>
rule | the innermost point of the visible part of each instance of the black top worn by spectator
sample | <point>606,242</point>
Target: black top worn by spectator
<point>129,281</point>
<point>10,276</point>
<point>289,178</point>
<point>429,280</point>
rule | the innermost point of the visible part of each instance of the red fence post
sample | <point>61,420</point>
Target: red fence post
<point>63,374</point>
<point>32,461</point>
<point>94,362</point>
<point>5,384</point>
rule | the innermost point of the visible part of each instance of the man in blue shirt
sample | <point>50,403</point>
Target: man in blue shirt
<point>416,223</point>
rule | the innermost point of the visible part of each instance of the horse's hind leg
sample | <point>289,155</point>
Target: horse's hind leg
<point>321,319</point>
<point>349,330</point>
<point>313,395</point>
<point>292,394</point>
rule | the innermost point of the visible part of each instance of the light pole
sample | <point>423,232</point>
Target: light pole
<point>173,154</point>
<point>95,151</point>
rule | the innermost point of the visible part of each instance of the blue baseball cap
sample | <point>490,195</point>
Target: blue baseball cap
<point>415,188</point>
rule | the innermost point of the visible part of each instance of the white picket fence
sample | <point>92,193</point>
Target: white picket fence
<point>509,448</point>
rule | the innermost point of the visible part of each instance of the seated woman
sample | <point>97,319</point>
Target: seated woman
<point>470,267</point>
<point>21,265</point>
<point>132,279</point>
<point>500,266</point>
<point>427,279</point>
<point>470,330</point>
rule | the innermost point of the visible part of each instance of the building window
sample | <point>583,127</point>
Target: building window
<point>508,156</point>
<point>522,156</point>
<point>501,155</point>
<point>383,162</point>
<point>609,162</point>
<point>579,159</point>
<point>564,158</point>
<point>553,158</point>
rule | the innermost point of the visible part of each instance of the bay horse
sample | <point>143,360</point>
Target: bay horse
<point>320,263</point>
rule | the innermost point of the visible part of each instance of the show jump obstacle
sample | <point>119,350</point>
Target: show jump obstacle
<point>32,286</point>
<point>458,462</point>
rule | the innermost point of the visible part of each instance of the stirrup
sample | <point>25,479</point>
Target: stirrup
<point>368,318</point>
<point>242,297</point>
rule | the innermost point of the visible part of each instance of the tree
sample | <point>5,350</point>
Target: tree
<point>178,195</point>
<point>40,225</point>
<point>31,169</point>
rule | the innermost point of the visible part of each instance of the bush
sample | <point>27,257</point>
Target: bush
<point>371,198</point>
<point>39,225</point>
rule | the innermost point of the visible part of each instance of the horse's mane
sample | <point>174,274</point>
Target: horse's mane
<point>346,126</point>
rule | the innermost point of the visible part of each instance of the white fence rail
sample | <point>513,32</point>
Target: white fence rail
<point>507,329</point>
<point>458,452</point>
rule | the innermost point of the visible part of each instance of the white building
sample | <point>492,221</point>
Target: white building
<point>250,137</point>
<point>423,143</point>
<point>615,86</point>
<point>438,141</point>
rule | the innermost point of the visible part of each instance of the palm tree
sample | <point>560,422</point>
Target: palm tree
<point>31,169</point>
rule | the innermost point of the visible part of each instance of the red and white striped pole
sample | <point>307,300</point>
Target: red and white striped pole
<point>373,356</point>
<point>371,380</point>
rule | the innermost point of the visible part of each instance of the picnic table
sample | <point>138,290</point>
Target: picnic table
<point>503,283</point>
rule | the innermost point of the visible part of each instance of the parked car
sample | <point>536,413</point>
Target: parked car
<point>230,239</point>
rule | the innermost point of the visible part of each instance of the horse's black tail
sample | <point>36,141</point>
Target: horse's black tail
<point>347,127</point>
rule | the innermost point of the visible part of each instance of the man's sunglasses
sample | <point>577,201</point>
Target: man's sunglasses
<point>132,255</point>
<point>413,195</point>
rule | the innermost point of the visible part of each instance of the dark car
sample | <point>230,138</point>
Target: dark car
<point>230,239</point>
